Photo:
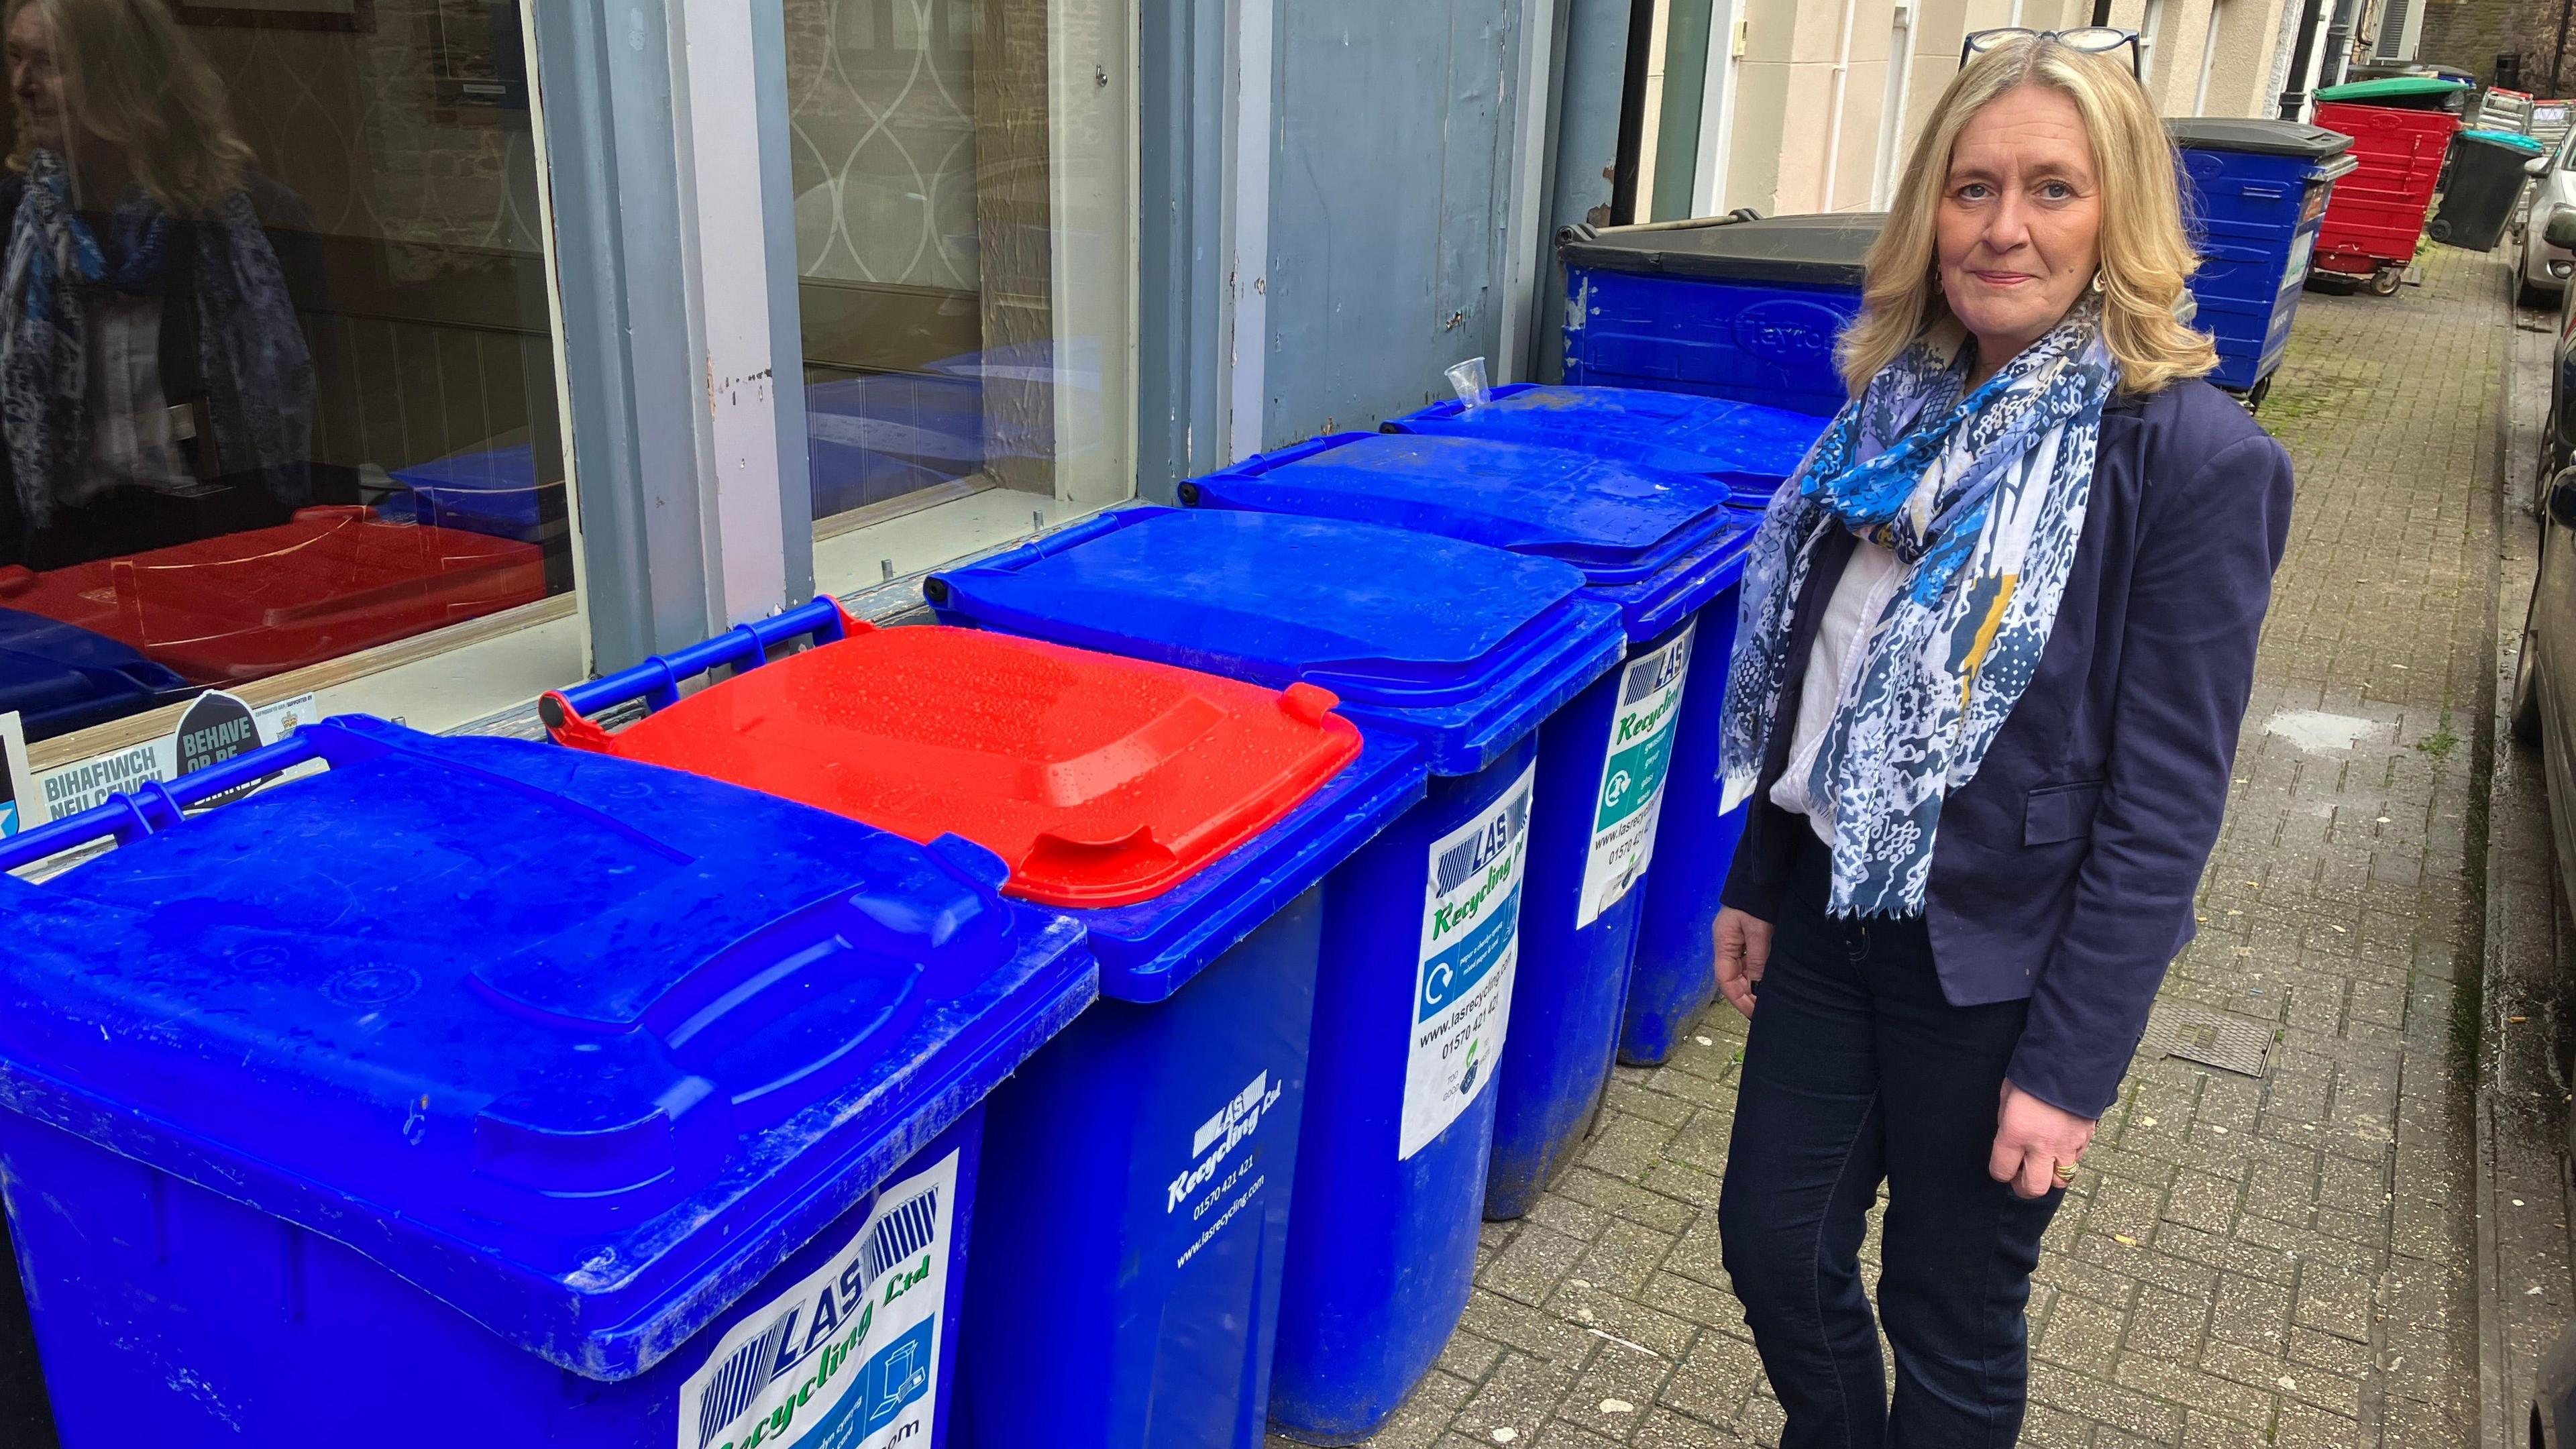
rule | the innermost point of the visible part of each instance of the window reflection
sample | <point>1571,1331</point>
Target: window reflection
<point>158,385</point>
<point>961,228</point>
<point>275,377</point>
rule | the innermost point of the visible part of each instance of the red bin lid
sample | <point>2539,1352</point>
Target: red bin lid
<point>1103,781</point>
<point>332,580</point>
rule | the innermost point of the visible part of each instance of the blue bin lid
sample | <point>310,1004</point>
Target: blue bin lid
<point>60,678</point>
<point>1462,647</point>
<point>934,421</point>
<point>495,484</point>
<point>1752,448</point>
<point>1628,527</point>
<point>581,1047</point>
<point>487,470</point>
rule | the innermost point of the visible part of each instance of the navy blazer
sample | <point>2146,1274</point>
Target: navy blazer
<point>2064,872</point>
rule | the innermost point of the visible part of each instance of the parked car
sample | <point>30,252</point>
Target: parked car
<point>2553,1397</point>
<point>2558,432</point>
<point>2543,710</point>
<point>2546,264</point>
<point>2543,705</point>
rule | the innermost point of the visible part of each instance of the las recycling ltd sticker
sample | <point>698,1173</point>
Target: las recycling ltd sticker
<point>1633,771</point>
<point>849,1358</point>
<point>1226,1171</point>
<point>1471,938</point>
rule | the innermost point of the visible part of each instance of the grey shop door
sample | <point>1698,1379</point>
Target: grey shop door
<point>1390,172</point>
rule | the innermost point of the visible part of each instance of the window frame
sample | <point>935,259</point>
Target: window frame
<point>662,140</point>
<point>918,532</point>
<point>443,678</point>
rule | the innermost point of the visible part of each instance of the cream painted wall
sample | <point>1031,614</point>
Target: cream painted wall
<point>1650,142</point>
<point>1753,162</point>
<point>2240,73</point>
<point>1784,118</point>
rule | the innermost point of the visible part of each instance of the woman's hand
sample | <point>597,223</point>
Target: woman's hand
<point>2031,1138</point>
<point>1743,947</point>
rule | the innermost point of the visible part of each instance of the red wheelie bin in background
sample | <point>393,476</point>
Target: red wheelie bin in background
<point>2376,215</point>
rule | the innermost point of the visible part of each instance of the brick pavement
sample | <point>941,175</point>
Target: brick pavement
<point>2284,1261</point>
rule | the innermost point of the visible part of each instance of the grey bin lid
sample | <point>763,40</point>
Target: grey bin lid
<point>1822,250</point>
<point>2268,138</point>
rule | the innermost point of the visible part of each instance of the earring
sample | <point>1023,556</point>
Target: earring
<point>2097,283</point>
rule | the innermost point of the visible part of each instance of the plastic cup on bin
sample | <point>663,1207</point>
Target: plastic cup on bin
<point>476,1089</point>
<point>1136,1178</point>
<point>1660,547</point>
<point>1465,650</point>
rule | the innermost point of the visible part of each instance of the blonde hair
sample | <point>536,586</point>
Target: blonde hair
<point>2146,258</point>
<point>132,78</point>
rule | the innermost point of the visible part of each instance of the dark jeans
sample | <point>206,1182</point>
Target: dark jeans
<point>1858,1071</point>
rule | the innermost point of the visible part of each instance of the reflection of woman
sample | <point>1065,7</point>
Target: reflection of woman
<point>154,383</point>
<point>1996,643</point>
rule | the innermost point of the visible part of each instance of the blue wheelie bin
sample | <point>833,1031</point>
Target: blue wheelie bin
<point>1465,650</point>
<point>58,678</point>
<point>2257,193</point>
<point>1660,546</point>
<point>1136,1181</point>
<point>478,1089</point>
<point>1747,309</point>
<point>1674,978</point>
<point>1749,447</point>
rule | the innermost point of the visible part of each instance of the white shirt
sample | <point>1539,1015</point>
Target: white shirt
<point>131,442</point>
<point>1860,596</point>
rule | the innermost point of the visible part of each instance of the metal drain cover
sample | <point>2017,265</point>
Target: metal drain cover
<point>2229,1043</point>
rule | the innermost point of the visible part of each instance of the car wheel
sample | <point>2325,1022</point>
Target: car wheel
<point>2522,714</point>
<point>2525,294</point>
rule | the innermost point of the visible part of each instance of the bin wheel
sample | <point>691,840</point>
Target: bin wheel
<point>2439,231</point>
<point>2254,397</point>
<point>2385,281</point>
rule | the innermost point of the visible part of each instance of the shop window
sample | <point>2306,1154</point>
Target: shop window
<point>276,373</point>
<point>962,173</point>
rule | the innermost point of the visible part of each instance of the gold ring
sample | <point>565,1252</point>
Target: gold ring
<point>2065,1172</point>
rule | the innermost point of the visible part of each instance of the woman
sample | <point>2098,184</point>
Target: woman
<point>155,385</point>
<point>1997,637</point>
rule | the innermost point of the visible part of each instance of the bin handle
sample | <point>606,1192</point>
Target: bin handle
<point>1584,231</point>
<point>157,805</point>
<point>565,712</point>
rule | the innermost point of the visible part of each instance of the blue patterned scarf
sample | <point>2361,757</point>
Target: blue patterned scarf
<point>1982,500</point>
<point>257,372</point>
